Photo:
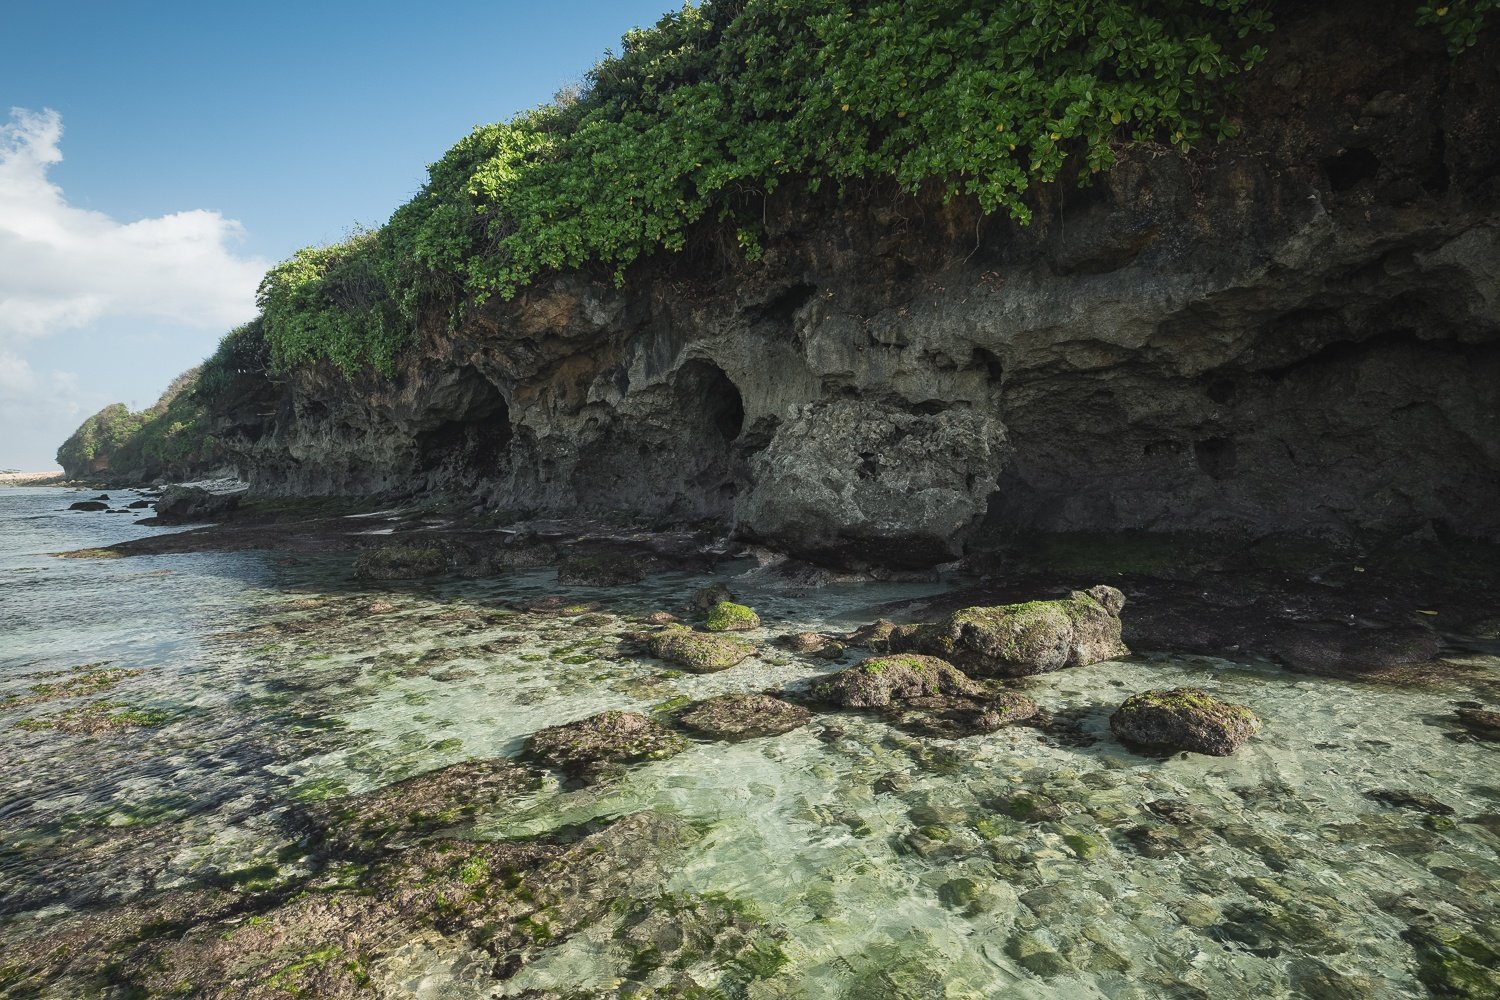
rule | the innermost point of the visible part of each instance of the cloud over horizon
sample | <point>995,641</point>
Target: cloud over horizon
<point>66,268</point>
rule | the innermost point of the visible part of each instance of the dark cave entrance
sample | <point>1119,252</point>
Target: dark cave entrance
<point>703,388</point>
<point>474,444</point>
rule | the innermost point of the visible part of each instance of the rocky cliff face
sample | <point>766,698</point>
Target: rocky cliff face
<point>1295,331</point>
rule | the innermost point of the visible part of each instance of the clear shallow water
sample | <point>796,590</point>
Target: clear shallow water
<point>1021,864</point>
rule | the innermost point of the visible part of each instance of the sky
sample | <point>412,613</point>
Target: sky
<point>156,158</point>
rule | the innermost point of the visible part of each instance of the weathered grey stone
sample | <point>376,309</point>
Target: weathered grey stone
<point>180,504</point>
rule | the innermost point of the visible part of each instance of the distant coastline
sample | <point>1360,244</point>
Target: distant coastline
<point>56,478</point>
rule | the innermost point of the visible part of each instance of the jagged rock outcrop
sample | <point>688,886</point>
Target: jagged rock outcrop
<point>1297,330</point>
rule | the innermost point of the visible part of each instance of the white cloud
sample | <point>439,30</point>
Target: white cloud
<point>67,268</point>
<point>63,267</point>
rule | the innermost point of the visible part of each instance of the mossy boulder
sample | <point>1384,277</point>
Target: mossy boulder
<point>926,694</point>
<point>601,569</point>
<point>604,742</point>
<point>401,562</point>
<point>1184,719</point>
<point>726,616</point>
<point>696,651</point>
<point>744,716</point>
<point>1015,640</point>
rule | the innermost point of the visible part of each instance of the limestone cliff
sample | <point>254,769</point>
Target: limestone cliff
<point>1297,330</point>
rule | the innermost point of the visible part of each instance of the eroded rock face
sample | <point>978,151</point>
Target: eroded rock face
<point>856,482</point>
<point>1298,333</point>
<point>1184,719</point>
<point>1015,640</point>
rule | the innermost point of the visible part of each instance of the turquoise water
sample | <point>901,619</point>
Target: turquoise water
<point>1023,863</point>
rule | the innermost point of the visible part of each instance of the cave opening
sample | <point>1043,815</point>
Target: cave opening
<point>1350,169</point>
<point>704,387</point>
<point>475,442</point>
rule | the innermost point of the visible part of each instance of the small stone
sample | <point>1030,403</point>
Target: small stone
<point>660,618</point>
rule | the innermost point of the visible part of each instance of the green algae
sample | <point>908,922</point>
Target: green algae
<point>727,616</point>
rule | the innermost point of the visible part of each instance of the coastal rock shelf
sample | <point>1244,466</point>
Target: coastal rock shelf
<point>318,783</point>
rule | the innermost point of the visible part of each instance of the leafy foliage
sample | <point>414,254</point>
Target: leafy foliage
<point>699,118</point>
<point>171,438</point>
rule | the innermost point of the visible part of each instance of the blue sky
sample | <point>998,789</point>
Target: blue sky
<point>161,155</point>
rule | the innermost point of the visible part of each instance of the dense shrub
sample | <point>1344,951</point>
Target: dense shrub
<point>702,116</point>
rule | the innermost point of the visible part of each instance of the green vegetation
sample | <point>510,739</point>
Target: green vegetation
<point>677,141</point>
<point>170,438</point>
<point>726,616</point>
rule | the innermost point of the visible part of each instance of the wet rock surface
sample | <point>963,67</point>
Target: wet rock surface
<point>602,743</point>
<point>1184,719</point>
<point>401,562</point>
<point>600,569</point>
<point>1020,639</point>
<point>744,716</point>
<point>185,504</point>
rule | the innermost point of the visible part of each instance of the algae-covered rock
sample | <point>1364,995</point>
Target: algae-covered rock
<point>726,616</point>
<point>926,694</point>
<point>696,651</point>
<point>601,569</point>
<point>603,742</point>
<point>401,562</point>
<point>885,680</point>
<point>744,716</point>
<point>1015,640</point>
<point>1184,719</point>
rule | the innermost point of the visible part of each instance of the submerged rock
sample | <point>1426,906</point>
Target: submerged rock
<point>812,644</point>
<point>926,694</point>
<point>401,562</point>
<point>1354,652</point>
<point>601,569</point>
<point>1015,640</point>
<point>179,504</point>
<point>603,742</point>
<point>1184,719</point>
<point>696,651</point>
<point>726,616</point>
<point>1403,798</point>
<point>1481,723</point>
<point>744,716</point>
